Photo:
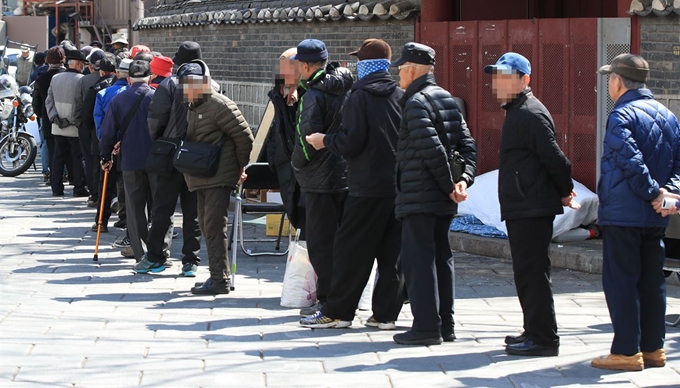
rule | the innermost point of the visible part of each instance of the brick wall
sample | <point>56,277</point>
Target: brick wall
<point>660,45</point>
<point>241,56</point>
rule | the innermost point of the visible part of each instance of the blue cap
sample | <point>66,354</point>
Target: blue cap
<point>311,51</point>
<point>510,62</point>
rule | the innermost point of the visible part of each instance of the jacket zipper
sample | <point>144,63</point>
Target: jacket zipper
<point>519,187</point>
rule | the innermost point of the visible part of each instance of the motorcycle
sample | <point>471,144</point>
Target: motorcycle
<point>18,147</point>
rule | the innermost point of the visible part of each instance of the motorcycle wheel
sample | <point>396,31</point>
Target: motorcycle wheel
<point>17,162</point>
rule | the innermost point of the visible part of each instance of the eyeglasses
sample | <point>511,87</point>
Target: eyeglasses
<point>405,66</point>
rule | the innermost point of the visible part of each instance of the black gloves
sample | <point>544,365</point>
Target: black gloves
<point>62,123</point>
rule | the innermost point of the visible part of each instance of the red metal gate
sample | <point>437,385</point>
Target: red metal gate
<point>563,54</point>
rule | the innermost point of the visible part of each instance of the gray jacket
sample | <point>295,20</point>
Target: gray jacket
<point>24,69</point>
<point>61,102</point>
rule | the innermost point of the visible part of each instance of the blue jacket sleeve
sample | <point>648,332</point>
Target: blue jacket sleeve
<point>628,158</point>
<point>109,131</point>
<point>673,184</point>
<point>99,114</point>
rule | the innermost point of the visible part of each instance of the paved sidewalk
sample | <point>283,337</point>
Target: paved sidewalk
<point>67,321</point>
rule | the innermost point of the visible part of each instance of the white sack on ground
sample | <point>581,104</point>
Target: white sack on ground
<point>483,203</point>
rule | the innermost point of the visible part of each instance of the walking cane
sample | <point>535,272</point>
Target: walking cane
<point>101,215</point>
<point>234,239</point>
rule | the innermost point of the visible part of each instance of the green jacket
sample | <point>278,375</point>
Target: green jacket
<point>208,122</point>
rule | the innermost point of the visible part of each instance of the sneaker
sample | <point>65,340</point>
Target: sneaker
<point>128,253</point>
<point>372,322</point>
<point>320,321</point>
<point>46,177</point>
<point>656,359</point>
<point>189,270</point>
<point>311,310</point>
<point>145,266</point>
<point>120,224</point>
<point>619,362</point>
<point>211,287</point>
<point>122,243</point>
<point>412,338</point>
<point>92,201</point>
<point>105,229</point>
<point>167,264</point>
<point>175,235</point>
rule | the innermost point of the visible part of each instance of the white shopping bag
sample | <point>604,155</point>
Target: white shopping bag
<point>299,280</point>
<point>366,301</point>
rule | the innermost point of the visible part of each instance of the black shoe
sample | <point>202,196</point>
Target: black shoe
<point>92,201</point>
<point>210,287</point>
<point>413,338</point>
<point>515,339</point>
<point>47,178</point>
<point>57,194</point>
<point>105,229</point>
<point>81,193</point>
<point>120,224</point>
<point>530,348</point>
<point>448,334</point>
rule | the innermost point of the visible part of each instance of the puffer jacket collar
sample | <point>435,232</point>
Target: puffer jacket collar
<point>634,94</point>
<point>519,100</point>
<point>417,85</point>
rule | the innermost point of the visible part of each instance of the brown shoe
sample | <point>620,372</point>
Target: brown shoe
<point>619,362</point>
<point>655,359</point>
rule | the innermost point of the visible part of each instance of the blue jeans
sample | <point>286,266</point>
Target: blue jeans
<point>44,154</point>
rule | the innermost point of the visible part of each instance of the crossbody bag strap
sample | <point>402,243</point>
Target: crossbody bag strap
<point>131,114</point>
<point>439,124</point>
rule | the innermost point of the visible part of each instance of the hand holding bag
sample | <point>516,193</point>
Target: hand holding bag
<point>198,159</point>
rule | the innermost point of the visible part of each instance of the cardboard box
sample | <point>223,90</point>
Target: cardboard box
<point>273,222</point>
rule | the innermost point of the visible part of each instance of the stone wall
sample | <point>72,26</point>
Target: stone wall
<point>241,57</point>
<point>660,45</point>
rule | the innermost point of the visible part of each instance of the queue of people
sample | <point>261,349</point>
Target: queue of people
<point>371,169</point>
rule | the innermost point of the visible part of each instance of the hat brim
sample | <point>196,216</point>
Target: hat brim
<point>490,69</point>
<point>398,62</point>
<point>175,60</point>
<point>354,53</point>
<point>605,70</point>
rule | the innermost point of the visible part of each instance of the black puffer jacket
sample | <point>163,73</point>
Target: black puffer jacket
<point>368,136</point>
<point>423,178</point>
<point>320,111</point>
<point>534,174</point>
<point>168,112</point>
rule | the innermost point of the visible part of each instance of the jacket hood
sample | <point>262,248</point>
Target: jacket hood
<point>333,79</point>
<point>379,84</point>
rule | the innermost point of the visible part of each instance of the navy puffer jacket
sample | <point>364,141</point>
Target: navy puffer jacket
<point>424,180</point>
<point>641,155</point>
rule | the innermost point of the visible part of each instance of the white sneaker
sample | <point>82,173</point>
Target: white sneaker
<point>371,322</point>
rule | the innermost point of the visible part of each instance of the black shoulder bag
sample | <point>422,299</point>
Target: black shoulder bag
<point>198,158</point>
<point>124,128</point>
<point>454,158</point>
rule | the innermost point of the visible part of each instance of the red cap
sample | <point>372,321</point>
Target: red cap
<point>140,48</point>
<point>161,66</point>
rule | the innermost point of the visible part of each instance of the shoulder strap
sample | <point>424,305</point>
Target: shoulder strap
<point>439,124</point>
<point>131,114</point>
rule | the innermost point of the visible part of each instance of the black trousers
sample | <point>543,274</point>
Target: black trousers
<point>67,149</point>
<point>110,191</point>
<point>529,243</point>
<point>368,232</point>
<point>635,287</point>
<point>324,215</point>
<point>213,206</point>
<point>85,139</point>
<point>120,193</point>
<point>166,190</point>
<point>96,165</point>
<point>427,261</point>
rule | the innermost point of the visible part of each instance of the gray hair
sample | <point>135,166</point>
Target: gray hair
<point>630,84</point>
<point>136,80</point>
<point>73,63</point>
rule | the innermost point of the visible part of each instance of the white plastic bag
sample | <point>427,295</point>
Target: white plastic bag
<point>299,280</point>
<point>366,301</point>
